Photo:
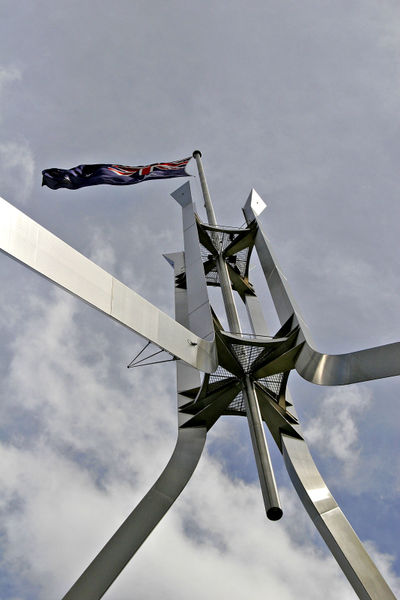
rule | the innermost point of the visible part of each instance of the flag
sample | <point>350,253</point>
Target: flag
<point>85,175</point>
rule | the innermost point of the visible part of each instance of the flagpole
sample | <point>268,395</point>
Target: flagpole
<point>222,269</point>
<point>257,433</point>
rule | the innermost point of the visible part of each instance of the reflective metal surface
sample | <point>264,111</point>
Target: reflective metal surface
<point>317,367</point>
<point>199,311</point>
<point>225,283</point>
<point>333,526</point>
<point>107,565</point>
<point>115,555</point>
<point>30,243</point>
<point>261,453</point>
<point>322,508</point>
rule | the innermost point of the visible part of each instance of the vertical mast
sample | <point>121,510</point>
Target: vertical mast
<point>222,269</point>
<point>257,434</point>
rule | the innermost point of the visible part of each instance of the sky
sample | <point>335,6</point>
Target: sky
<point>299,100</point>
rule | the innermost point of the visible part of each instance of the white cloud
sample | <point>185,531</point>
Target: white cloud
<point>101,250</point>
<point>17,163</point>
<point>17,170</point>
<point>307,111</point>
<point>8,75</point>
<point>95,442</point>
<point>334,431</point>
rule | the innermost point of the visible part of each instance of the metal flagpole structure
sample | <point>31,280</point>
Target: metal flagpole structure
<point>263,460</point>
<point>219,372</point>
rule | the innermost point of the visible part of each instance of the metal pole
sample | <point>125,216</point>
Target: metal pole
<point>260,448</point>
<point>263,459</point>
<point>206,194</point>
<point>222,269</point>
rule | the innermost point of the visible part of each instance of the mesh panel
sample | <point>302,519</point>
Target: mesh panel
<point>212,276</point>
<point>238,261</point>
<point>237,405</point>
<point>246,355</point>
<point>272,384</point>
<point>219,374</point>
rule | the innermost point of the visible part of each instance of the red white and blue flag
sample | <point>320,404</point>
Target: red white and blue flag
<point>85,175</point>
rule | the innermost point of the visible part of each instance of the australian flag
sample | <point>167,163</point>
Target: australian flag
<point>85,175</point>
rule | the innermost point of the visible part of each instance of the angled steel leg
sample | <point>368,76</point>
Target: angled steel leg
<point>115,555</point>
<point>107,565</point>
<point>314,366</point>
<point>328,518</point>
<point>330,521</point>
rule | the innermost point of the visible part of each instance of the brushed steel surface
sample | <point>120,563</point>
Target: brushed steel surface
<point>261,452</point>
<point>28,242</point>
<point>312,365</point>
<point>115,555</point>
<point>330,521</point>
<point>199,311</point>
<point>111,560</point>
<point>322,508</point>
<point>222,269</point>
<point>206,194</point>
<point>256,317</point>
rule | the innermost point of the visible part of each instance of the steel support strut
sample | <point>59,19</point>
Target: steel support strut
<point>115,555</point>
<point>312,490</point>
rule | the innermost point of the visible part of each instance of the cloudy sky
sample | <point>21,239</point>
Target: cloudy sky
<point>299,100</point>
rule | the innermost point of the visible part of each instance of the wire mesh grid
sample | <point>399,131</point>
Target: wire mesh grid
<point>246,355</point>
<point>238,261</point>
<point>237,405</point>
<point>272,384</point>
<point>219,374</point>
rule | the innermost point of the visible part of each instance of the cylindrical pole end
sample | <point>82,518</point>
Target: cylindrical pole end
<point>274,513</point>
<point>197,153</point>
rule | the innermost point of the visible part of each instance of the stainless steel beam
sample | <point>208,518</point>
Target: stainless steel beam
<point>330,521</point>
<point>31,244</point>
<point>314,366</point>
<point>256,317</point>
<point>118,551</point>
<point>115,555</point>
<point>199,311</point>
<point>322,508</point>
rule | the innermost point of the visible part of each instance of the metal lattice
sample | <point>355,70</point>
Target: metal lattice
<point>219,375</point>
<point>247,355</point>
<point>238,261</point>
<point>272,384</point>
<point>237,405</point>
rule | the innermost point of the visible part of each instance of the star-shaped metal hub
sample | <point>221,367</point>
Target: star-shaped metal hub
<point>266,360</point>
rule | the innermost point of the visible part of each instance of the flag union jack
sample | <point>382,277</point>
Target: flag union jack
<point>142,171</point>
<point>87,175</point>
